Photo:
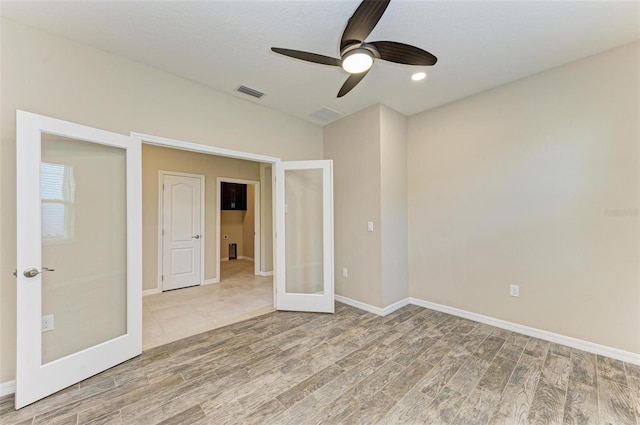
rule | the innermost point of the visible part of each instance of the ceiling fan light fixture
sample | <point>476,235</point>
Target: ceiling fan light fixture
<point>357,61</point>
<point>419,76</point>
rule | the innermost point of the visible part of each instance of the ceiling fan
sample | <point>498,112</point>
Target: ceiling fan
<point>356,55</point>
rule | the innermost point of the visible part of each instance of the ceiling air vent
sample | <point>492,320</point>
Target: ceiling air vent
<point>324,114</point>
<point>249,91</point>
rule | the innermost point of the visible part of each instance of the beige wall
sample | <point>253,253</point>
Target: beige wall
<point>248,224</point>
<point>154,159</point>
<point>231,225</point>
<point>393,206</point>
<point>369,152</point>
<point>57,77</point>
<point>266,218</point>
<point>353,143</point>
<point>534,183</point>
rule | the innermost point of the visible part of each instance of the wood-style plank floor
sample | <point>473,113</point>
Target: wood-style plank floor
<point>415,366</point>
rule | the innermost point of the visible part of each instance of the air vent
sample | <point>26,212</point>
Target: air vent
<point>249,91</point>
<point>324,114</point>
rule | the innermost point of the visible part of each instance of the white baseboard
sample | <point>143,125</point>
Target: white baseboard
<point>590,347</point>
<point>261,273</point>
<point>370,308</point>
<point>158,290</point>
<point>7,388</point>
<point>151,291</point>
<point>579,344</point>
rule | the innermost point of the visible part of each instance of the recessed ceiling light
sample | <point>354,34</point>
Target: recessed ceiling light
<point>419,76</point>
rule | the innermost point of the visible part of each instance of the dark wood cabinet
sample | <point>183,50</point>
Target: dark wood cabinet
<point>234,196</point>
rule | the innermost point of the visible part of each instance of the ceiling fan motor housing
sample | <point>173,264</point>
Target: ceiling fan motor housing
<point>367,46</point>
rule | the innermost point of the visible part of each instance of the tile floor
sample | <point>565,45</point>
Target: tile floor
<point>414,366</point>
<point>177,314</point>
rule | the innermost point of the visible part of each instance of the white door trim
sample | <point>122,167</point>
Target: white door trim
<point>256,221</point>
<point>149,139</point>
<point>161,174</point>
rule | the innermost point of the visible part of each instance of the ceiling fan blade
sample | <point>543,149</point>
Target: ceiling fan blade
<point>403,53</point>
<point>351,82</point>
<point>362,22</point>
<point>309,57</point>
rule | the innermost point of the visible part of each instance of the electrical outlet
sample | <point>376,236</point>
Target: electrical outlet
<point>514,291</point>
<point>345,272</point>
<point>369,226</point>
<point>47,323</point>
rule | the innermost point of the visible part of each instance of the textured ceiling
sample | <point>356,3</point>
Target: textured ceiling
<point>223,44</point>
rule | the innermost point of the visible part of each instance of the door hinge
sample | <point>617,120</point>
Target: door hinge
<point>162,186</point>
<point>163,278</point>
<point>162,232</point>
<point>15,272</point>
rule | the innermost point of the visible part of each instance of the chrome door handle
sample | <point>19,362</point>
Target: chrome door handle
<point>196,237</point>
<point>33,272</point>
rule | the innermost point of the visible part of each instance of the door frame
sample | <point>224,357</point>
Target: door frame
<point>257,262</point>
<point>161,174</point>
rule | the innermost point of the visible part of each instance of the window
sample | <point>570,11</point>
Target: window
<point>57,194</point>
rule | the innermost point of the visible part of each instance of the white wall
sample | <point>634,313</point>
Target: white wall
<point>57,77</point>
<point>517,186</point>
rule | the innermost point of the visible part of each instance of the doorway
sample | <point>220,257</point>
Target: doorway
<point>176,314</point>
<point>238,231</point>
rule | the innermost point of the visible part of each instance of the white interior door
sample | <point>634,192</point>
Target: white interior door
<point>78,253</point>
<point>182,239</point>
<point>304,236</point>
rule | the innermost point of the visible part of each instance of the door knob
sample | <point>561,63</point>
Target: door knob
<point>196,237</point>
<point>33,272</point>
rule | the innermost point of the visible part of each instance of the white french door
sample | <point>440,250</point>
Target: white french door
<point>304,236</point>
<point>182,237</point>
<point>79,290</point>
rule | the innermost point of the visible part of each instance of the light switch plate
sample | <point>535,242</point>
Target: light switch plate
<point>370,226</point>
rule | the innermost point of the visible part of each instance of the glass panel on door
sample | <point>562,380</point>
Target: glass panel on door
<point>84,240</point>
<point>304,232</point>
